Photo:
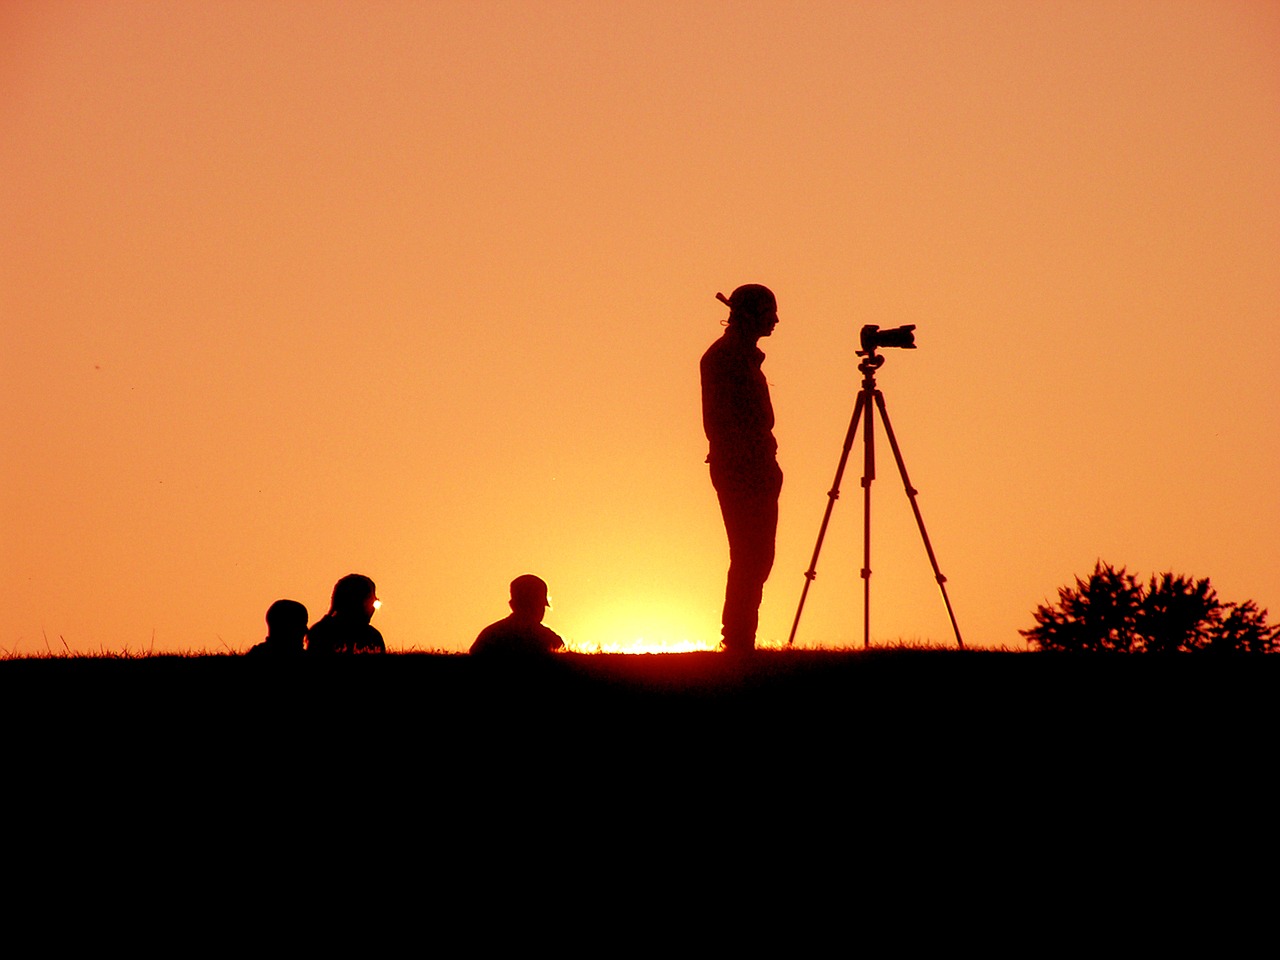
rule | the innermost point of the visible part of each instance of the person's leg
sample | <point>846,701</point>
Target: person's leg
<point>750,511</point>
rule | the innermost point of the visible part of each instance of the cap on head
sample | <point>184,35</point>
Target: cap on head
<point>750,299</point>
<point>529,591</point>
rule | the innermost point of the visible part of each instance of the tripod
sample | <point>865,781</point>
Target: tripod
<point>862,411</point>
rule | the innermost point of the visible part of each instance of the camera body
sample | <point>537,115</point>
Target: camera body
<point>873,338</point>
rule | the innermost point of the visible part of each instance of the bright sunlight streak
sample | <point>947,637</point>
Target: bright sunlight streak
<point>639,625</point>
<point>640,645</point>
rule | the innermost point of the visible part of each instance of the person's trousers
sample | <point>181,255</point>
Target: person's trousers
<point>749,505</point>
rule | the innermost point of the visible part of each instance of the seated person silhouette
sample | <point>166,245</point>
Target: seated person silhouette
<point>286,626</point>
<point>346,628</point>
<point>522,633</point>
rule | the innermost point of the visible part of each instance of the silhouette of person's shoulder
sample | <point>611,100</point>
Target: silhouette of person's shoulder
<point>370,640</point>
<point>269,649</point>
<point>714,357</point>
<point>728,355</point>
<point>509,636</point>
<point>323,636</point>
<point>334,635</point>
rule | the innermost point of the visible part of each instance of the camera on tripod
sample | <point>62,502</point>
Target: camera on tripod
<point>869,399</point>
<point>873,338</point>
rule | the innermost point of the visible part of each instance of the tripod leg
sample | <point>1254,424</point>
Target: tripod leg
<point>915,508</point>
<point>832,496</point>
<point>868,475</point>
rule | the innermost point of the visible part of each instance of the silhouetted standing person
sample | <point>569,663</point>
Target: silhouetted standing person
<point>521,633</point>
<point>346,628</point>
<point>737,416</point>
<point>286,626</point>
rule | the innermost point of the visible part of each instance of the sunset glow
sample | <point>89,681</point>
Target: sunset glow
<point>641,645</point>
<point>418,291</point>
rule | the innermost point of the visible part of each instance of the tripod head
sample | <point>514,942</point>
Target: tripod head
<point>873,338</point>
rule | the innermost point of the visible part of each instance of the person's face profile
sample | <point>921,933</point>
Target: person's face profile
<point>761,324</point>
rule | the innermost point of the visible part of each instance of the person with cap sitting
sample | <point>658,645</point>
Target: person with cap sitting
<point>521,633</point>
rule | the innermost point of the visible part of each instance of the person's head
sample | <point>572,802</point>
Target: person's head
<point>286,622</point>
<point>354,596</point>
<point>529,598</point>
<point>753,310</point>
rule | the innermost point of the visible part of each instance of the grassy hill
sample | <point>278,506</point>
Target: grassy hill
<point>700,767</point>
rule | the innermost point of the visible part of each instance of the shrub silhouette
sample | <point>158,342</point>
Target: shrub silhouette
<point>1243,627</point>
<point>1112,611</point>
<point>1099,614</point>
<point>1177,614</point>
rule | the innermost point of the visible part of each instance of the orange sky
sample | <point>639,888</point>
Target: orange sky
<point>418,290</point>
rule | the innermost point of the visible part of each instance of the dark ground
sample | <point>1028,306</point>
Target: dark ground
<point>975,782</point>
<point>804,710</point>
